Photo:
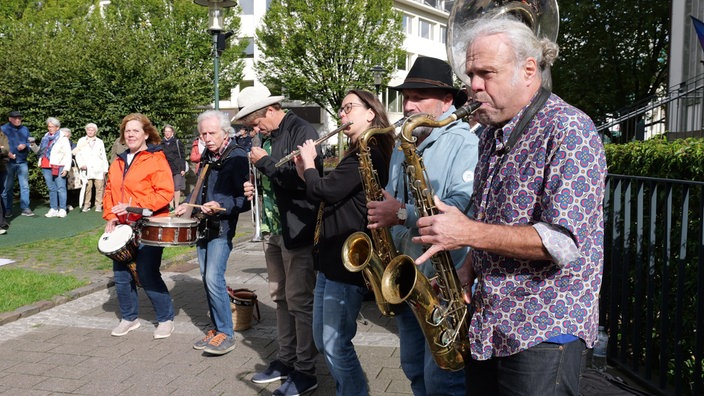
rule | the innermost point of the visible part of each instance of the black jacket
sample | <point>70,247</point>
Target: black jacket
<point>344,213</point>
<point>297,211</point>
<point>224,183</point>
<point>175,154</point>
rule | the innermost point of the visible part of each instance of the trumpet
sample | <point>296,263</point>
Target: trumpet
<point>315,143</point>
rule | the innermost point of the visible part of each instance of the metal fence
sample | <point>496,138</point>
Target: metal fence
<point>652,298</point>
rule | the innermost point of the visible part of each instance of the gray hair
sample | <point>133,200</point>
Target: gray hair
<point>53,121</point>
<point>524,42</point>
<point>222,118</point>
<point>92,125</point>
<point>65,132</point>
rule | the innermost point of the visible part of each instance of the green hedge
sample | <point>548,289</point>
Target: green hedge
<point>678,159</point>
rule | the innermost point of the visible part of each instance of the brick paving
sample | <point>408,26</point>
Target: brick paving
<point>65,347</point>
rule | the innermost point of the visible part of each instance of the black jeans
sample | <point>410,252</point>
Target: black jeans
<point>543,370</point>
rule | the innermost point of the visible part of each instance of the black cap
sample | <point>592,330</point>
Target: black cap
<point>15,114</point>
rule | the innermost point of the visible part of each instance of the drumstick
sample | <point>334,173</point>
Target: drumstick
<point>203,206</point>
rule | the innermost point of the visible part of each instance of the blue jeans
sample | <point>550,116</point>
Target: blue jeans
<point>22,173</point>
<point>335,309</point>
<point>544,369</point>
<point>57,189</point>
<point>417,361</point>
<point>212,257</point>
<point>148,260</point>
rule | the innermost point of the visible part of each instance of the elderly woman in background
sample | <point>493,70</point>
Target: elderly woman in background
<point>92,159</point>
<point>55,162</point>
<point>139,177</point>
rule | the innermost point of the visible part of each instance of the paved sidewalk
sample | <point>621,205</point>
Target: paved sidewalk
<point>68,349</point>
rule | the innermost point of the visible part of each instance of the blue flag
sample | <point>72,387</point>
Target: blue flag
<point>699,27</point>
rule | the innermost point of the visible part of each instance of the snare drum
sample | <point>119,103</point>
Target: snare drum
<point>169,231</point>
<point>120,244</point>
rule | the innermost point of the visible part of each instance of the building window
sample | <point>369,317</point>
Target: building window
<point>249,50</point>
<point>432,3</point>
<point>425,29</point>
<point>407,23</point>
<point>247,7</point>
<point>402,62</point>
<point>443,34</point>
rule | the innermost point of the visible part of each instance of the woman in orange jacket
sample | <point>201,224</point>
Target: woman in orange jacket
<point>140,178</point>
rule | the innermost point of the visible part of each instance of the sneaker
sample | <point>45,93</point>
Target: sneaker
<point>52,213</point>
<point>62,213</point>
<point>27,212</point>
<point>3,231</point>
<point>98,208</point>
<point>125,327</point>
<point>297,384</point>
<point>220,344</point>
<point>164,329</point>
<point>275,372</point>
<point>200,344</point>
<point>85,210</point>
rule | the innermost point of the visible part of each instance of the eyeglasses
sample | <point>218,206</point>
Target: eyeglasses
<point>348,107</point>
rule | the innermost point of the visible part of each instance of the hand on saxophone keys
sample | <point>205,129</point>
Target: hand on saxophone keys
<point>442,231</point>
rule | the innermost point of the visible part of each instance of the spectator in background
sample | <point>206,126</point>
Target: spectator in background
<point>3,173</point>
<point>17,136</point>
<point>91,159</point>
<point>55,162</point>
<point>176,155</point>
<point>118,147</point>
<point>197,148</point>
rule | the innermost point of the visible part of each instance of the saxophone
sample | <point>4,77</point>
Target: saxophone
<point>358,251</point>
<point>442,314</point>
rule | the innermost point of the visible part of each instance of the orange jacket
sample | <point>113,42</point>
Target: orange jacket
<point>146,183</point>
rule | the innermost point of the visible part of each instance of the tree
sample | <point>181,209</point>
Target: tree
<point>318,49</point>
<point>80,65</point>
<point>611,56</point>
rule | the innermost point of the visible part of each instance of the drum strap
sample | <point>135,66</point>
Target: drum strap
<point>199,184</point>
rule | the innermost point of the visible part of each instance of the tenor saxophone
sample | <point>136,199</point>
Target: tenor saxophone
<point>442,314</point>
<point>360,252</point>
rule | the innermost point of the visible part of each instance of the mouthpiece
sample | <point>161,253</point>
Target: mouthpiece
<point>467,110</point>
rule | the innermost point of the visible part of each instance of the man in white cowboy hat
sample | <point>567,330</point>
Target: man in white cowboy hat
<point>449,155</point>
<point>288,247</point>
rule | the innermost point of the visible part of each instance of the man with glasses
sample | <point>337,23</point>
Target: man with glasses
<point>288,247</point>
<point>18,141</point>
<point>449,155</point>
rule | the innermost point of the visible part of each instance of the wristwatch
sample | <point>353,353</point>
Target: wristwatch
<point>402,214</point>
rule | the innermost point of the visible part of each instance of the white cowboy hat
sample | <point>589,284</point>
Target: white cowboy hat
<point>254,98</point>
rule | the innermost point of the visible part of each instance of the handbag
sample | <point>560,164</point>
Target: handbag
<point>74,180</point>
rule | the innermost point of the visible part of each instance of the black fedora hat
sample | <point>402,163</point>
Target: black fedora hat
<point>428,73</point>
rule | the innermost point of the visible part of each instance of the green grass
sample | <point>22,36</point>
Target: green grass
<point>20,287</point>
<point>51,267</point>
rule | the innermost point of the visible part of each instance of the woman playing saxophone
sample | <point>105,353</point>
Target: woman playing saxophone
<point>339,293</point>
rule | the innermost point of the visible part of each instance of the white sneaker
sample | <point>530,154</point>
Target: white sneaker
<point>62,213</point>
<point>52,213</point>
<point>125,327</point>
<point>164,329</point>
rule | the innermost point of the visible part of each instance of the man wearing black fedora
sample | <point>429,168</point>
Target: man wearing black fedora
<point>449,155</point>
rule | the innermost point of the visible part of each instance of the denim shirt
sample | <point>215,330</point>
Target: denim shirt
<point>450,155</point>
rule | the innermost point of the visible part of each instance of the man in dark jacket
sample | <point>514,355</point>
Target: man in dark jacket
<point>288,248</point>
<point>18,145</point>
<point>221,199</point>
<point>176,155</point>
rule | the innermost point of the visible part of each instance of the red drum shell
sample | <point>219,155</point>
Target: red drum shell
<point>169,231</point>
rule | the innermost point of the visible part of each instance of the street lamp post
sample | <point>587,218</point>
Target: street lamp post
<point>215,26</point>
<point>378,73</point>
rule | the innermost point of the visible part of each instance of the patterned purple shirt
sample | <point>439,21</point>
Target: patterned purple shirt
<point>554,175</point>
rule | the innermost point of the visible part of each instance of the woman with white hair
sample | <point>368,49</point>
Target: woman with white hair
<point>92,159</point>
<point>55,161</point>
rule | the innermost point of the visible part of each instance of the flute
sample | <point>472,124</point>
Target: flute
<point>315,143</point>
